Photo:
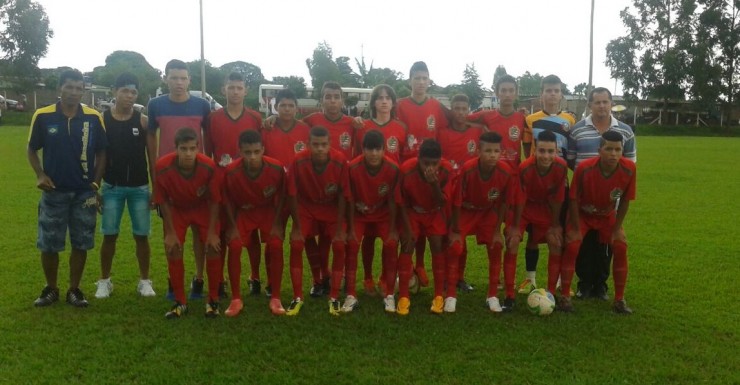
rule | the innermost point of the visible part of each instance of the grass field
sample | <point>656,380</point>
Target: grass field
<point>684,248</point>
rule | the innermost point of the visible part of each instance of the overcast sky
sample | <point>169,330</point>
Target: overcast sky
<point>545,36</point>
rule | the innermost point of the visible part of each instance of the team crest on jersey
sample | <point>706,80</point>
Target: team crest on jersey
<point>392,144</point>
<point>225,160</point>
<point>514,133</point>
<point>331,189</point>
<point>345,141</point>
<point>201,191</point>
<point>135,131</point>
<point>616,194</point>
<point>299,146</point>
<point>431,123</point>
<point>493,194</point>
<point>52,130</point>
<point>383,189</point>
<point>472,147</point>
<point>268,191</point>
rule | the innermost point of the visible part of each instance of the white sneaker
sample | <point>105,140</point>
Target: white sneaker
<point>390,304</point>
<point>145,288</point>
<point>350,303</point>
<point>450,304</point>
<point>493,305</point>
<point>105,288</point>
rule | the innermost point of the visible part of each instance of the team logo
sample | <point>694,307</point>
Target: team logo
<point>268,191</point>
<point>345,141</point>
<point>383,189</point>
<point>52,130</point>
<point>392,144</point>
<point>615,194</point>
<point>514,133</point>
<point>361,207</point>
<point>201,191</point>
<point>331,189</point>
<point>431,123</point>
<point>135,131</point>
<point>472,148</point>
<point>299,146</point>
<point>493,194</point>
<point>412,141</point>
<point>225,160</point>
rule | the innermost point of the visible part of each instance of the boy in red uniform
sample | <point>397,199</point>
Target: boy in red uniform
<point>484,189</point>
<point>599,200</point>
<point>317,183</point>
<point>426,187</point>
<point>285,136</point>
<point>225,125</point>
<point>254,194</point>
<point>374,193</point>
<point>543,178</point>
<point>187,190</point>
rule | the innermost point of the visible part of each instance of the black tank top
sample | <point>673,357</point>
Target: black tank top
<point>126,159</point>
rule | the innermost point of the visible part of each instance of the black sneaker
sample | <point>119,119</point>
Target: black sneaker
<point>212,310</point>
<point>327,285</point>
<point>196,289</point>
<point>177,311</point>
<point>317,290</point>
<point>464,286</point>
<point>565,305</point>
<point>255,287</point>
<point>508,305</point>
<point>620,307</point>
<point>48,296</point>
<point>222,294</point>
<point>76,298</point>
<point>268,291</point>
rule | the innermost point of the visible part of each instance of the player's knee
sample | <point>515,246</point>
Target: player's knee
<point>390,244</point>
<point>455,249</point>
<point>274,243</point>
<point>235,244</point>
<point>298,245</point>
<point>338,247</point>
<point>352,244</point>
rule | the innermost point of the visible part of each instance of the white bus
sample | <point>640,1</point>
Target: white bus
<point>311,102</point>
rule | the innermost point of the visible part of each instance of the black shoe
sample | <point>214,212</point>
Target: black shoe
<point>212,310</point>
<point>327,285</point>
<point>255,287</point>
<point>565,305</point>
<point>600,293</point>
<point>620,307</point>
<point>222,294</point>
<point>196,289</point>
<point>508,305</point>
<point>583,293</point>
<point>464,286</point>
<point>48,296</point>
<point>76,298</point>
<point>317,290</point>
<point>268,291</point>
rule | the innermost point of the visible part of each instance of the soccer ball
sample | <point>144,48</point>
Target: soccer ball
<point>541,302</point>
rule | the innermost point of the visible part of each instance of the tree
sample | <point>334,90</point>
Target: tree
<point>529,85</point>
<point>24,40</point>
<point>252,74</point>
<point>349,77</point>
<point>498,74</point>
<point>580,89</point>
<point>214,79</point>
<point>119,62</point>
<point>322,67</point>
<point>472,86</point>
<point>294,83</point>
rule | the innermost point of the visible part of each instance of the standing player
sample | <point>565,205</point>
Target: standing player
<point>126,181</point>
<point>484,190</point>
<point>167,114</point>
<point>254,195</point>
<point>187,190</point>
<point>426,187</point>
<point>374,193</point>
<point>285,136</point>
<point>317,185</point>
<point>599,199</point>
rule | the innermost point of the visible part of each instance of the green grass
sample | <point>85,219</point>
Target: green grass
<point>684,245</point>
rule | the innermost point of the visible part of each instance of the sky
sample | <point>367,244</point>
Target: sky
<point>539,36</point>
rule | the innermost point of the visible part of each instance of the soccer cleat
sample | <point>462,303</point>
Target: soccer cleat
<point>494,305</point>
<point>620,307</point>
<point>268,291</point>
<point>76,298</point>
<point>450,304</point>
<point>105,288</point>
<point>276,307</point>
<point>508,305</point>
<point>295,307</point>
<point>421,273</point>
<point>177,311</point>
<point>438,304</point>
<point>526,287</point>
<point>326,283</point>
<point>170,295</point>
<point>370,287</point>
<point>212,310</point>
<point>317,290</point>
<point>48,296</point>
<point>464,286</point>
<point>600,293</point>
<point>403,306</point>
<point>350,304</point>
<point>255,287</point>
<point>565,304</point>
<point>145,288</point>
<point>334,307</point>
<point>196,289</point>
<point>222,294</point>
<point>235,307</point>
<point>390,304</point>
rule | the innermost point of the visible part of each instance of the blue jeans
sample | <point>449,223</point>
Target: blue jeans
<point>115,198</point>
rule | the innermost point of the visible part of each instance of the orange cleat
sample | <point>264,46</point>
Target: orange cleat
<point>235,307</point>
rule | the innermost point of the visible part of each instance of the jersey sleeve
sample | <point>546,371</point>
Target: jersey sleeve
<point>159,195</point>
<point>215,184</point>
<point>631,189</point>
<point>575,188</point>
<point>527,132</point>
<point>513,191</point>
<point>36,134</point>
<point>291,188</point>
<point>151,109</point>
<point>101,142</point>
<point>558,196</point>
<point>630,149</point>
<point>476,117</point>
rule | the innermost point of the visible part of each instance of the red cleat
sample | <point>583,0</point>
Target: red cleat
<point>276,307</point>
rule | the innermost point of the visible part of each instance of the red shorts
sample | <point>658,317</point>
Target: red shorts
<point>372,229</point>
<point>603,224</point>
<point>250,220</point>
<point>182,218</point>
<point>480,223</point>
<point>539,218</point>
<point>312,225</point>
<point>434,223</point>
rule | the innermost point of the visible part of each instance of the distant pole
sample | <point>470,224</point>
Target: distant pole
<point>591,52</point>
<point>203,56</point>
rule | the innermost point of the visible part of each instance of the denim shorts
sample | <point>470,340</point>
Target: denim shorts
<point>59,211</point>
<point>115,198</point>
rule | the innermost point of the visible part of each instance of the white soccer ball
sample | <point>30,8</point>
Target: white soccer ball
<point>413,285</point>
<point>541,302</point>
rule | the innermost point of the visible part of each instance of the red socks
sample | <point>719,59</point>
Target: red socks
<point>619,269</point>
<point>494,268</point>
<point>176,269</point>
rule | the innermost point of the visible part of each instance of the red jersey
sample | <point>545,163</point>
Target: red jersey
<point>416,193</point>
<point>459,146</point>
<point>423,121</point>
<point>189,191</point>
<point>394,132</point>
<point>245,192</point>
<point>510,127</point>
<point>539,190</point>
<point>475,193</point>
<point>223,133</point>
<point>283,145</point>
<point>341,132</point>
<point>314,188</point>
<point>371,193</point>
<point>597,194</point>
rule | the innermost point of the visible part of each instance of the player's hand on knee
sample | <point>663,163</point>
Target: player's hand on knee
<point>497,238</point>
<point>172,245</point>
<point>295,234</point>
<point>231,234</point>
<point>618,235</point>
<point>277,232</point>
<point>554,237</point>
<point>213,243</point>
<point>573,235</point>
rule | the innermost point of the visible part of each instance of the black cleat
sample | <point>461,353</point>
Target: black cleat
<point>76,298</point>
<point>508,305</point>
<point>620,307</point>
<point>222,294</point>
<point>255,287</point>
<point>48,296</point>
<point>464,286</point>
<point>196,289</point>
<point>565,305</point>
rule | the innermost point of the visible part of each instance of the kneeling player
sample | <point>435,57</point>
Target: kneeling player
<point>484,189</point>
<point>187,190</point>
<point>373,180</point>
<point>254,193</point>
<point>426,186</point>
<point>599,199</point>
<point>317,182</point>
